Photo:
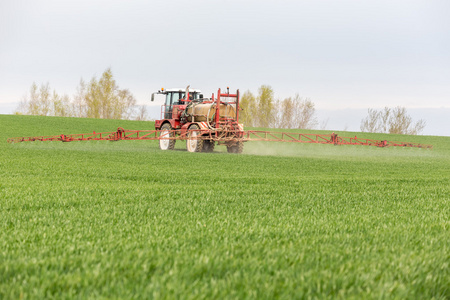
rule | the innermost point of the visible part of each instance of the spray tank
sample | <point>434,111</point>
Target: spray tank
<point>205,111</point>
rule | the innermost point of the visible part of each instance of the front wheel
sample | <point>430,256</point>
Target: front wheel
<point>164,134</point>
<point>194,143</point>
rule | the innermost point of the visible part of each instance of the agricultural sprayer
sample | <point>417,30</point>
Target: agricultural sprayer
<point>206,122</point>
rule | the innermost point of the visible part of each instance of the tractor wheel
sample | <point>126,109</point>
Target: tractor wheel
<point>208,146</point>
<point>192,143</point>
<point>236,148</point>
<point>166,144</point>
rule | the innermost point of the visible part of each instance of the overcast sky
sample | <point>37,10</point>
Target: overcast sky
<point>341,54</point>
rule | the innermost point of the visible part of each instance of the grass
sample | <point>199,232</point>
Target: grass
<point>126,220</point>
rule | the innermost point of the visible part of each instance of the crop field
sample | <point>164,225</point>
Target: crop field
<point>126,220</point>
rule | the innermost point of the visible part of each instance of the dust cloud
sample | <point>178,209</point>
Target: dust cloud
<point>339,151</point>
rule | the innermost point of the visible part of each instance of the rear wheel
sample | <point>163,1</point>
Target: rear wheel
<point>208,146</point>
<point>236,148</point>
<point>193,143</point>
<point>164,134</point>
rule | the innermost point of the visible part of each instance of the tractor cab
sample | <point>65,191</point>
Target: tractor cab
<point>175,101</point>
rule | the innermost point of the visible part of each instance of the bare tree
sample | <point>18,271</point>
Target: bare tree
<point>391,120</point>
<point>78,105</point>
<point>384,119</point>
<point>123,107</point>
<point>38,102</point>
<point>33,103</point>
<point>98,99</point>
<point>304,113</point>
<point>287,108</point>
<point>324,124</point>
<point>142,114</point>
<point>289,113</point>
<point>372,122</point>
<point>418,127</point>
<point>44,100</point>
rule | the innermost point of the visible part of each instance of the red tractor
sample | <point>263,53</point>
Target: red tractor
<point>203,122</point>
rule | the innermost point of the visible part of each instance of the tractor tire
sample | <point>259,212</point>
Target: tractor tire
<point>236,148</point>
<point>192,143</point>
<point>166,144</point>
<point>208,146</point>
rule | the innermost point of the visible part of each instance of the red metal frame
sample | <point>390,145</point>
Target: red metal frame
<point>225,135</point>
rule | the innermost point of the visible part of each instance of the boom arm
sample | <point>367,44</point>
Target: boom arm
<point>250,135</point>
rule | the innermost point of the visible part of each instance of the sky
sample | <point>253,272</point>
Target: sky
<point>346,56</point>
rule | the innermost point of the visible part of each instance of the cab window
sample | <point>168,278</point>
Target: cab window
<point>176,98</point>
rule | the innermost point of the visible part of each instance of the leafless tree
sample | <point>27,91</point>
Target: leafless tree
<point>391,120</point>
<point>372,122</point>
<point>287,113</point>
<point>38,102</point>
<point>98,99</point>
<point>142,114</point>
<point>324,124</point>
<point>294,112</point>
<point>304,113</point>
<point>78,104</point>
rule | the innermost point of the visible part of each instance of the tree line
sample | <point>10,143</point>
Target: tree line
<point>263,110</point>
<point>391,120</point>
<point>102,98</point>
<point>297,112</point>
<point>99,98</point>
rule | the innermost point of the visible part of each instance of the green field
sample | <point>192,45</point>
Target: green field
<point>125,220</point>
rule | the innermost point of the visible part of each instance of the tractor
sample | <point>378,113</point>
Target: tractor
<point>202,121</point>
